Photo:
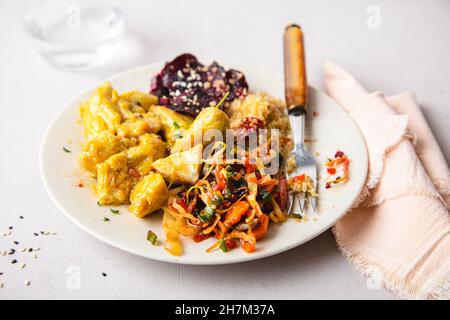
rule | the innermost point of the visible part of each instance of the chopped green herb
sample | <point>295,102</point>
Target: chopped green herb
<point>227,194</point>
<point>178,135</point>
<point>98,203</point>
<point>114,211</point>
<point>105,219</point>
<point>66,150</point>
<point>176,125</point>
<point>217,200</point>
<point>152,237</point>
<point>296,216</point>
<point>206,214</point>
<point>223,245</point>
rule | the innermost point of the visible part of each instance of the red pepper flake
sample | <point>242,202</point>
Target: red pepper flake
<point>331,170</point>
<point>80,184</point>
<point>327,185</point>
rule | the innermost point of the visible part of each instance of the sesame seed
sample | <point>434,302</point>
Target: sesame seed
<point>11,251</point>
<point>30,250</point>
<point>16,242</point>
<point>10,228</point>
<point>21,217</point>
<point>1,285</point>
<point>36,234</point>
<point>35,256</point>
<point>24,249</point>
<point>14,261</point>
<point>22,265</point>
<point>104,274</point>
<point>27,282</point>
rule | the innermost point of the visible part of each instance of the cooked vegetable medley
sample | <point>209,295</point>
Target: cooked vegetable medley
<point>146,155</point>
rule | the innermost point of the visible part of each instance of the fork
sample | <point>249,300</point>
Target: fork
<point>296,93</point>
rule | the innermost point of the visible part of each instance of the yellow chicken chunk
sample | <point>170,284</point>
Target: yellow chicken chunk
<point>149,194</point>
<point>136,126</point>
<point>208,119</point>
<point>101,112</point>
<point>114,182</point>
<point>150,148</point>
<point>139,98</point>
<point>98,149</point>
<point>173,124</point>
<point>182,167</point>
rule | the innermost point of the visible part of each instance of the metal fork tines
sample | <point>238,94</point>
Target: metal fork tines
<point>305,162</point>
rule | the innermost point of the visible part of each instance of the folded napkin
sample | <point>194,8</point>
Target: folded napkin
<point>399,231</point>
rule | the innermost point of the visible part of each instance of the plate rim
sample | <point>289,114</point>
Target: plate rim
<point>169,258</point>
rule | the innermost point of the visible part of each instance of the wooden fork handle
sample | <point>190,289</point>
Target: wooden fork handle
<point>295,83</point>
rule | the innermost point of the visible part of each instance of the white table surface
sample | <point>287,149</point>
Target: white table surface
<point>410,51</point>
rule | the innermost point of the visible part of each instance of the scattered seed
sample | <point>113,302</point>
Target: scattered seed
<point>105,219</point>
<point>36,234</point>
<point>30,250</point>
<point>16,242</point>
<point>24,249</point>
<point>4,253</point>
<point>8,233</point>
<point>10,228</point>
<point>54,233</point>
<point>21,217</point>
<point>1,285</point>
<point>14,261</point>
<point>66,150</point>
<point>27,282</point>
<point>22,265</point>
<point>1,273</point>
<point>104,274</point>
<point>37,249</point>
<point>35,256</point>
<point>12,251</point>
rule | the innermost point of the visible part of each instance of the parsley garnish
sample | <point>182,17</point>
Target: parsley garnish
<point>152,237</point>
<point>176,125</point>
<point>114,211</point>
<point>105,219</point>
<point>66,150</point>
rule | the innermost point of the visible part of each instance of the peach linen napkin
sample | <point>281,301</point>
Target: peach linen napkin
<point>399,230</point>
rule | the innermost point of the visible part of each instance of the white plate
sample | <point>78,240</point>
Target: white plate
<point>330,129</point>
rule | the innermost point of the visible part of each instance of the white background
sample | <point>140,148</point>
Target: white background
<point>410,52</point>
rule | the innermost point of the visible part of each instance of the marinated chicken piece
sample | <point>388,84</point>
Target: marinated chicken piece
<point>201,128</point>
<point>173,124</point>
<point>149,194</point>
<point>182,167</point>
<point>139,99</point>
<point>137,125</point>
<point>140,158</point>
<point>114,182</point>
<point>98,149</point>
<point>101,111</point>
